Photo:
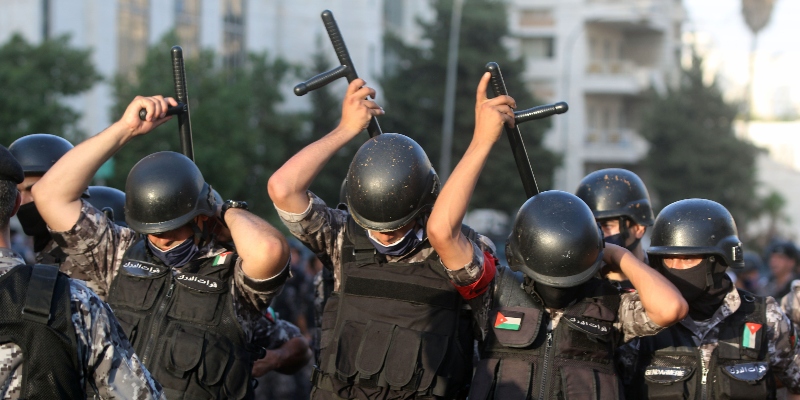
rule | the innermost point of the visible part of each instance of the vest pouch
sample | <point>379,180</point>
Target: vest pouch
<point>513,379</point>
<point>586,338</point>
<point>432,353</point>
<point>185,351</point>
<point>743,381</point>
<point>401,360</point>
<point>373,348</point>
<point>669,380</point>
<point>216,358</point>
<point>349,341</point>
<point>237,381</point>
<point>483,381</point>
<point>328,321</point>
<point>137,284</point>
<point>197,299</point>
<point>512,333</point>
<point>586,383</point>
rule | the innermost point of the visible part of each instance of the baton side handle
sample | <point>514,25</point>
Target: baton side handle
<point>177,110</point>
<point>321,80</point>
<point>540,112</point>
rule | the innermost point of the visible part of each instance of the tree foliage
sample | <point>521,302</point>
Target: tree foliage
<point>240,135</point>
<point>414,97</point>
<point>35,81</point>
<point>694,151</point>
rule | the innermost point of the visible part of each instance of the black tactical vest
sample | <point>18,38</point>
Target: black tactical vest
<point>521,360</point>
<point>182,324</point>
<point>670,365</point>
<point>394,326</point>
<point>35,315</point>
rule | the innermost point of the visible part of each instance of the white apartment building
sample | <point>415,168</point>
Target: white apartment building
<point>119,32</point>
<point>601,57</point>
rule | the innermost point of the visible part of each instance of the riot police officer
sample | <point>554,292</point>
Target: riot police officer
<point>110,201</point>
<point>621,205</point>
<point>56,336</point>
<point>552,326</point>
<point>394,327</point>
<point>187,303</point>
<point>733,343</point>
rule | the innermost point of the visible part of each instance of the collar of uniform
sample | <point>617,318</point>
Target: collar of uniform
<point>729,306</point>
<point>51,245</point>
<point>9,259</point>
<point>212,249</point>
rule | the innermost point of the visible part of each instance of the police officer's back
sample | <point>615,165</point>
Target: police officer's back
<point>56,336</point>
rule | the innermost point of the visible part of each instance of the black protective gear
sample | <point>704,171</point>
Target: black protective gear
<point>616,192</point>
<point>110,201</point>
<point>696,226</point>
<point>390,182</point>
<point>532,362</point>
<point>165,191</point>
<point>555,240</point>
<point>38,152</point>
<point>35,315</point>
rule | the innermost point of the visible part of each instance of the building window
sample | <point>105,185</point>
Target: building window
<point>538,48</point>
<point>187,26</point>
<point>133,26</point>
<point>536,18</point>
<point>233,45</point>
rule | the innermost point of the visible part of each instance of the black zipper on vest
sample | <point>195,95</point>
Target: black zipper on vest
<point>547,349</point>
<point>704,370</point>
<point>157,319</point>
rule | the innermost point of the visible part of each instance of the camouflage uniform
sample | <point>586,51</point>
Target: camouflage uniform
<point>53,255</point>
<point>96,246</point>
<point>783,353</point>
<point>275,385</point>
<point>791,303</point>
<point>106,355</point>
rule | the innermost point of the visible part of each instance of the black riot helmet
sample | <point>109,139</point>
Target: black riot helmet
<point>38,152</point>
<point>110,201</point>
<point>696,226</point>
<point>390,181</point>
<point>555,240</point>
<point>616,192</point>
<point>165,191</point>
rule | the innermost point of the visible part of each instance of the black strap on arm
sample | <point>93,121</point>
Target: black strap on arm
<point>39,299</point>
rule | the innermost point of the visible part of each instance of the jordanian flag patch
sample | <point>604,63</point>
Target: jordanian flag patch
<point>508,321</point>
<point>750,335</point>
<point>220,259</point>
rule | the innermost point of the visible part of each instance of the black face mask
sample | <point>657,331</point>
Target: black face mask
<point>552,297</point>
<point>33,225</point>
<point>704,286</point>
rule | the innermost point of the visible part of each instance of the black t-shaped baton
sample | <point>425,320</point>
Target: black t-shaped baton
<point>514,136</point>
<point>345,69</point>
<point>182,109</point>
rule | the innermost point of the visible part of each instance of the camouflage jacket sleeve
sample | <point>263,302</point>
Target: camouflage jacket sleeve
<point>109,362</point>
<point>96,245</point>
<point>273,332</point>
<point>321,229</point>
<point>632,320</point>
<point>791,303</point>
<point>784,355</point>
<point>251,297</point>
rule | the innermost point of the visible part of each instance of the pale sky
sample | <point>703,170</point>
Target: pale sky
<point>725,39</point>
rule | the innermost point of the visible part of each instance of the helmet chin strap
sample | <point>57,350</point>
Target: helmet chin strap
<point>201,236</point>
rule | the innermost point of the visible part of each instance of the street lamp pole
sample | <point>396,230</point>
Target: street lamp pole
<point>450,91</point>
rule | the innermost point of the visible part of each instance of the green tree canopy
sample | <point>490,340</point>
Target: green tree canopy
<point>35,81</point>
<point>414,97</point>
<point>240,136</point>
<point>694,151</point>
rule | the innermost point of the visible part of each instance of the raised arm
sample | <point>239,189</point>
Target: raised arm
<point>288,185</point>
<point>662,302</point>
<point>444,224</point>
<point>262,248</point>
<point>58,193</point>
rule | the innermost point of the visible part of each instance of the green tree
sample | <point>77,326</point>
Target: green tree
<point>694,151</point>
<point>240,137</point>
<point>35,80</point>
<point>414,95</point>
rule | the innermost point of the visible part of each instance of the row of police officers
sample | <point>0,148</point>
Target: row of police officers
<point>579,310</point>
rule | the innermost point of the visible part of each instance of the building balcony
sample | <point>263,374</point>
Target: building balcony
<point>620,77</point>
<point>614,145</point>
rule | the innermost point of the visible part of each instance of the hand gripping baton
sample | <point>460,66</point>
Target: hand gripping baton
<point>182,109</point>
<point>346,69</point>
<point>514,136</point>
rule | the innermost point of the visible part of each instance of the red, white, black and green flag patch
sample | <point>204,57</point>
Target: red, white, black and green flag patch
<point>508,320</point>
<point>220,259</point>
<point>750,335</point>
